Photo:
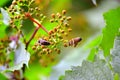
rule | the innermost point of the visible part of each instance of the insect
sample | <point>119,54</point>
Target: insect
<point>43,42</point>
<point>74,41</point>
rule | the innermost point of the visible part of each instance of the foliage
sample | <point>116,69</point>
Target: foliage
<point>108,67</point>
<point>3,2</point>
<point>26,41</point>
<point>111,30</point>
<point>23,41</point>
<point>116,55</point>
<point>2,77</point>
<point>98,70</point>
<point>21,57</point>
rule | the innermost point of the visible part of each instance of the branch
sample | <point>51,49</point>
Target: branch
<point>33,20</point>
<point>35,31</point>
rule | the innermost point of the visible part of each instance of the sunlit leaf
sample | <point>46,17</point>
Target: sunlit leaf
<point>116,56</point>
<point>97,70</point>
<point>36,72</point>
<point>61,77</point>
<point>3,2</point>
<point>2,30</point>
<point>59,5</point>
<point>2,77</point>
<point>112,28</point>
<point>116,77</point>
<point>94,43</point>
<point>92,54</point>
<point>6,17</point>
<point>21,57</point>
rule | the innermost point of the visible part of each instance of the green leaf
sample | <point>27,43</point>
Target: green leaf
<point>58,5</point>
<point>2,30</point>
<point>92,54</point>
<point>116,77</point>
<point>48,25</point>
<point>61,77</point>
<point>37,72</point>
<point>28,26</point>
<point>2,77</point>
<point>21,57</point>
<point>112,19</point>
<point>94,43</point>
<point>116,55</point>
<point>2,2</point>
<point>97,70</point>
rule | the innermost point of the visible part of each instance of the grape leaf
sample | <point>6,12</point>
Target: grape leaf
<point>21,57</point>
<point>97,70</point>
<point>116,55</point>
<point>112,19</point>
<point>6,17</point>
<point>93,45</point>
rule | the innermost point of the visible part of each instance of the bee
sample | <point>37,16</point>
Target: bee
<point>43,42</point>
<point>74,41</point>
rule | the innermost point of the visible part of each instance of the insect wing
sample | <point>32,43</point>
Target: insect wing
<point>43,42</point>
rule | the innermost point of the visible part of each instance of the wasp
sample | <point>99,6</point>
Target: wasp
<point>43,42</point>
<point>74,41</point>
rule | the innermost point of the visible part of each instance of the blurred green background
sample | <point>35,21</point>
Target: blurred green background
<point>87,22</point>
